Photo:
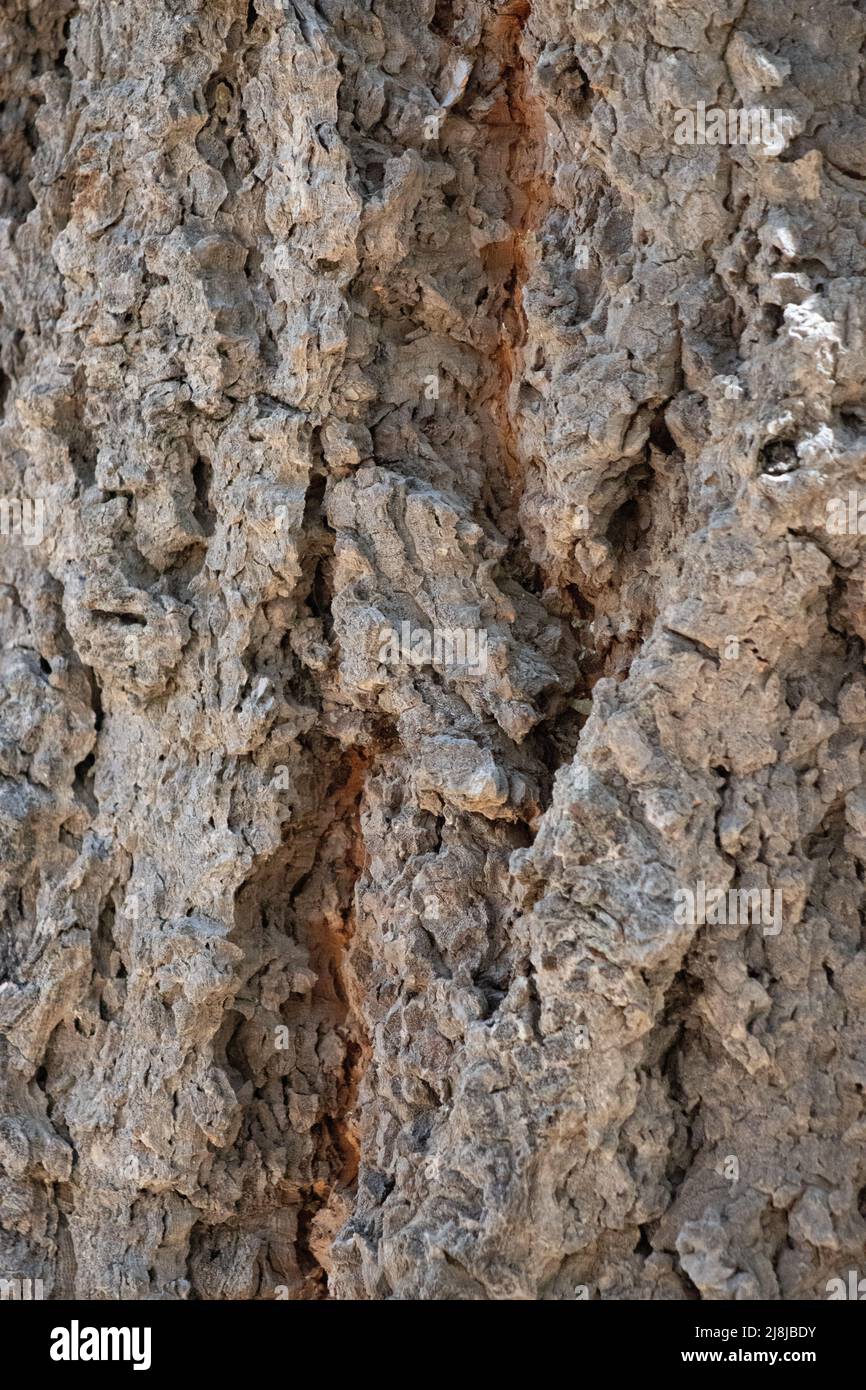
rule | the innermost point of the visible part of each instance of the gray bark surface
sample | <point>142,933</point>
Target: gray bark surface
<point>332,977</point>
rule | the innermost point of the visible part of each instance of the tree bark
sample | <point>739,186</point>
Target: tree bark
<point>341,961</point>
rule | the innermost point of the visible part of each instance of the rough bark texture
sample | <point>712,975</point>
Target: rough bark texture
<point>328,977</point>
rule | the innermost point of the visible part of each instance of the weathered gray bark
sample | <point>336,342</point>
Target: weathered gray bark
<point>318,319</point>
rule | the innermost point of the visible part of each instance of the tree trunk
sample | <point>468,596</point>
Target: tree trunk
<point>433,798</point>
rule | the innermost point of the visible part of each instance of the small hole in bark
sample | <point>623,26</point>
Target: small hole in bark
<point>124,619</point>
<point>82,768</point>
<point>622,529</point>
<point>443,17</point>
<point>202,477</point>
<point>661,436</point>
<point>643,1246</point>
<point>778,457</point>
